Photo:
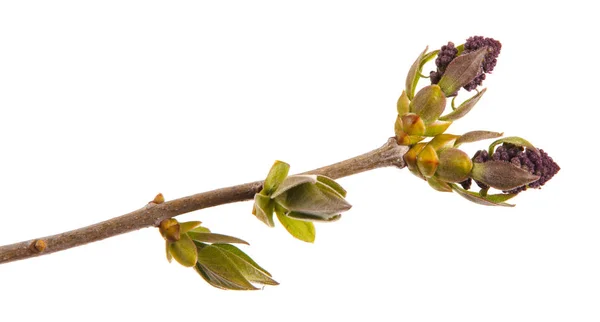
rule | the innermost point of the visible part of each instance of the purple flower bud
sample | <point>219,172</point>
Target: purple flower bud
<point>448,52</point>
<point>540,165</point>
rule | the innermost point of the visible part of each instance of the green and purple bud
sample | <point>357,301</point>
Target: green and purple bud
<point>472,71</point>
<point>515,166</point>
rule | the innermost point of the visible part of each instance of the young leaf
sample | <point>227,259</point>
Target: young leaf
<point>488,200</point>
<point>247,269</point>
<point>293,181</point>
<point>313,199</point>
<point>475,136</point>
<point>220,271</point>
<point>241,254</point>
<point>311,217</point>
<point>184,251</point>
<point>184,227</point>
<point>169,256</point>
<point>277,174</point>
<point>303,230</point>
<point>414,73</point>
<point>215,238</point>
<point>464,108</point>
<point>513,140</point>
<point>331,184</point>
<point>263,209</point>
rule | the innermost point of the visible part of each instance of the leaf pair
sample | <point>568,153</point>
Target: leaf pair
<point>222,265</point>
<point>299,200</point>
<point>226,267</point>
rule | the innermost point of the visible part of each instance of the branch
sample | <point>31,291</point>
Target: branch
<point>390,154</point>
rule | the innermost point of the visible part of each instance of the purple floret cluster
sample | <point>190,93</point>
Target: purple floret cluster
<point>445,56</point>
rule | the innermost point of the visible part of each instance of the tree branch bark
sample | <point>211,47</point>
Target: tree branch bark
<point>390,154</point>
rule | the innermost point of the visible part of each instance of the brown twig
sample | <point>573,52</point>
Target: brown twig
<point>390,154</point>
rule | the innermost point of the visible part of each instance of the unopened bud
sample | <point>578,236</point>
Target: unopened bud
<point>429,103</point>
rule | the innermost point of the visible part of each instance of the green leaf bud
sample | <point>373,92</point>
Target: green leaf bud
<point>412,124</point>
<point>169,229</point>
<point>410,158</point>
<point>184,251</point>
<point>403,104</point>
<point>429,103</point>
<point>454,165</point>
<point>314,198</point>
<point>427,161</point>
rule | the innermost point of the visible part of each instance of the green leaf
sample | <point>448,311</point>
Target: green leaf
<point>215,238</point>
<point>475,136</point>
<point>293,181</point>
<point>169,256</point>
<point>277,174</point>
<point>219,270</point>
<point>317,200</point>
<point>217,281</point>
<point>414,73</point>
<point>437,127</point>
<point>502,175</point>
<point>263,209</point>
<point>331,184</point>
<point>311,217</point>
<point>461,71</point>
<point>201,230</point>
<point>238,252</point>
<point>439,185</point>
<point>488,200</point>
<point>513,140</point>
<point>184,251</point>
<point>303,230</point>
<point>464,108</point>
<point>247,268</point>
<point>184,227</point>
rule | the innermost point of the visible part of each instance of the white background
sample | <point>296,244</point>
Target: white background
<point>104,104</point>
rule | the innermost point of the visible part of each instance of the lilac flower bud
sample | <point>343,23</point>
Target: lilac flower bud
<point>540,164</point>
<point>449,52</point>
